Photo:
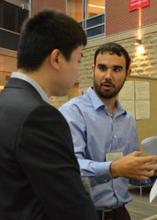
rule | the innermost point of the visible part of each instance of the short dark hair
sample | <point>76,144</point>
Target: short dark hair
<point>113,48</point>
<point>44,32</point>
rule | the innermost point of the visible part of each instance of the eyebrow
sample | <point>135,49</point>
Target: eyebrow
<point>114,66</point>
<point>118,66</point>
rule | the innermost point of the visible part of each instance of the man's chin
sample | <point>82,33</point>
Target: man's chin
<point>106,95</point>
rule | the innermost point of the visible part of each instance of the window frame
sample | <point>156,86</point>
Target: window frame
<point>85,19</point>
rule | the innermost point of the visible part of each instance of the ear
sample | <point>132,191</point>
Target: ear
<point>128,73</point>
<point>55,57</point>
<point>92,70</point>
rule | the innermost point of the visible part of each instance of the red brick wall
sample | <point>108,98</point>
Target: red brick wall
<point>8,64</point>
<point>38,5</point>
<point>119,19</point>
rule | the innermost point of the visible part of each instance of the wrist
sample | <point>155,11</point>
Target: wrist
<point>114,169</point>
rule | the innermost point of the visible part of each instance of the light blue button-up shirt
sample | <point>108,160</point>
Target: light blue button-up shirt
<point>96,132</point>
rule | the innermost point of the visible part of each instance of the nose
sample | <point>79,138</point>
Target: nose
<point>108,74</point>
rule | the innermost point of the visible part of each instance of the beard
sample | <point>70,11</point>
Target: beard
<point>107,89</point>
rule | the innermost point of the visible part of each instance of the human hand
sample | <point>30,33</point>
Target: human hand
<point>134,165</point>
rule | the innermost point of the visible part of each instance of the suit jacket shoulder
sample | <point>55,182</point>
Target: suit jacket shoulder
<point>40,177</point>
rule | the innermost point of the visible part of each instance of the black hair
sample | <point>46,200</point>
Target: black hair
<point>44,32</point>
<point>113,48</point>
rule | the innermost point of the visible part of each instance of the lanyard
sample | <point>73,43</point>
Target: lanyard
<point>112,134</point>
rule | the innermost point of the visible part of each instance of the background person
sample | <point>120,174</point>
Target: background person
<point>105,136</point>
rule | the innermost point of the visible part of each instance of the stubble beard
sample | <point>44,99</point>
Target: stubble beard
<point>107,94</point>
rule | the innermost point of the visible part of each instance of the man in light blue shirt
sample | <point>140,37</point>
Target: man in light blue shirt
<point>104,133</point>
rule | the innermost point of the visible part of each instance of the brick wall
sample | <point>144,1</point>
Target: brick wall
<point>7,64</point>
<point>119,19</point>
<point>38,5</point>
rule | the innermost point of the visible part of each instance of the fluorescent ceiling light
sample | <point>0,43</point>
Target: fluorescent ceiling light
<point>96,6</point>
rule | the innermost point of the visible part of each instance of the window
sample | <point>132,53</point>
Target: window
<point>90,14</point>
<point>11,19</point>
<point>95,8</point>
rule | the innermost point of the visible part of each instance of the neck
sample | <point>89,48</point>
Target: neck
<point>110,103</point>
<point>39,77</point>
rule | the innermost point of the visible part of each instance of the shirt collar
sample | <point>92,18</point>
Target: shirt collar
<point>97,103</point>
<point>35,85</point>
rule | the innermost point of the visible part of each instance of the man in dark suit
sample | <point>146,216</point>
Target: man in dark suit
<point>39,174</point>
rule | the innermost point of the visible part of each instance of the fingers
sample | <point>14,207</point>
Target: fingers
<point>151,166</point>
<point>149,173</point>
<point>143,158</point>
<point>145,175</point>
<point>134,165</point>
<point>147,159</point>
<point>146,170</point>
<point>136,153</point>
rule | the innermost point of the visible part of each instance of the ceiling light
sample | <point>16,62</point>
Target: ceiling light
<point>140,48</point>
<point>96,6</point>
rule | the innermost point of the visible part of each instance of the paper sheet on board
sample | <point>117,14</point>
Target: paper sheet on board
<point>150,147</point>
<point>153,192</point>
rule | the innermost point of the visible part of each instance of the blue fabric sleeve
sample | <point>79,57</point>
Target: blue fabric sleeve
<point>78,129</point>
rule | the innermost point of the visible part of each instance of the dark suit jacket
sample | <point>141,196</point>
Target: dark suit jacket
<point>39,174</point>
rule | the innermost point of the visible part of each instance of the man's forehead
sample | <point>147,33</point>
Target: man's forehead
<point>110,54</point>
<point>114,59</point>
